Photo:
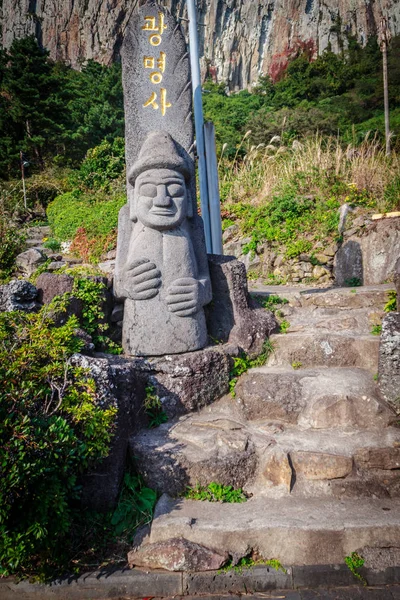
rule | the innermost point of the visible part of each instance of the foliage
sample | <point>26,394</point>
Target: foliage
<point>52,429</point>
<point>153,408</point>
<point>90,221</point>
<point>102,164</point>
<point>216,492</point>
<point>284,325</point>
<point>248,562</point>
<point>91,292</point>
<point>12,241</point>
<point>376,329</point>
<point>242,363</point>
<point>297,365</point>
<point>52,244</point>
<point>272,302</point>
<point>135,506</point>
<point>391,304</point>
<point>355,562</point>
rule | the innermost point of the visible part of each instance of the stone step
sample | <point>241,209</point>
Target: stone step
<point>374,296</point>
<point>34,243</point>
<point>314,319</point>
<point>325,349</point>
<point>314,398</point>
<point>267,458</point>
<point>292,530</point>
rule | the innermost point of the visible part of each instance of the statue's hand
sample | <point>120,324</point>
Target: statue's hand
<point>142,279</point>
<point>184,297</point>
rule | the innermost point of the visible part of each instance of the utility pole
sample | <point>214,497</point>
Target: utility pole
<point>199,122</point>
<point>22,162</point>
<point>384,39</point>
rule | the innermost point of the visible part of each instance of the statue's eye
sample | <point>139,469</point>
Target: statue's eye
<point>149,190</point>
<point>176,190</point>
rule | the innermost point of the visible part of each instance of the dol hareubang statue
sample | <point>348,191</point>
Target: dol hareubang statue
<point>161,268</point>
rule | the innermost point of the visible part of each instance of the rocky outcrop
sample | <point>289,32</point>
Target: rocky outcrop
<point>239,39</point>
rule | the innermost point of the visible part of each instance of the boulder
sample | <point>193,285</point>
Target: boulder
<point>51,284</point>
<point>28,261</point>
<point>389,360</point>
<point>231,316</point>
<point>369,256</point>
<point>177,554</point>
<point>18,295</point>
<point>187,382</point>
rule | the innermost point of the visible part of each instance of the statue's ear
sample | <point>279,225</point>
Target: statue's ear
<point>189,202</point>
<point>132,199</point>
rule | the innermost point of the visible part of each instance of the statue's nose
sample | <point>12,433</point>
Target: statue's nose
<point>162,198</point>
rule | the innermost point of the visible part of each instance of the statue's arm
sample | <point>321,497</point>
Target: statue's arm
<point>199,247</point>
<point>124,236</point>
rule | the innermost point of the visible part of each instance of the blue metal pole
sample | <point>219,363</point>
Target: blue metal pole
<point>198,121</point>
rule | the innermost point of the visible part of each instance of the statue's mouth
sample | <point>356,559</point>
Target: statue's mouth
<point>162,212</point>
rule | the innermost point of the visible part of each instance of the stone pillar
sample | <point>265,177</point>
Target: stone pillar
<point>161,265</point>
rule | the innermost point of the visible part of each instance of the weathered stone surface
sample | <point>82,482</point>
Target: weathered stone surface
<point>28,261</point>
<point>292,530</point>
<point>177,554</point>
<point>389,360</point>
<point>316,398</point>
<point>238,41</point>
<point>232,317</point>
<point>180,454</point>
<point>329,349</point>
<point>51,284</point>
<point>371,256</point>
<point>396,280</point>
<point>121,385</point>
<point>161,266</point>
<point>320,465</point>
<point>18,295</point>
<point>190,381</point>
<point>378,458</point>
<point>276,469</point>
<point>349,264</point>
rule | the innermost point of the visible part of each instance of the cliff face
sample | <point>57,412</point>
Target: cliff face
<point>239,39</point>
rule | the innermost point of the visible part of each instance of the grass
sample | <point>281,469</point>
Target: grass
<point>215,492</point>
<point>248,562</point>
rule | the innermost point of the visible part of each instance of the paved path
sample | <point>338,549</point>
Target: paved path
<point>391,592</point>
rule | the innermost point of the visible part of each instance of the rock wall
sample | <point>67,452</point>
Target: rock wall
<point>239,39</point>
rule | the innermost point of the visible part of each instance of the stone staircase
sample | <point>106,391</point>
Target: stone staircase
<point>307,436</point>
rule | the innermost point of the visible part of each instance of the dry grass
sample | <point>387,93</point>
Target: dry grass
<point>265,169</point>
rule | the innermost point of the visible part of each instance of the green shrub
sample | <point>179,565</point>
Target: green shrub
<point>102,164</point>
<point>216,492</point>
<point>12,242</point>
<point>52,427</point>
<point>68,212</point>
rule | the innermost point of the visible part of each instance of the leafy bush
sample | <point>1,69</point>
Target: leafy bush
<point>52,427</point>
<point>90,221</point>
<point>102,164</point>
<point>12,242</point>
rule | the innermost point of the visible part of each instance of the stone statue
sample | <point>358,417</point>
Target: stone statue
<point>161,267</point>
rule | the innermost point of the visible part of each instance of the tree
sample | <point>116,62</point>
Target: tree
<point>34,106</point>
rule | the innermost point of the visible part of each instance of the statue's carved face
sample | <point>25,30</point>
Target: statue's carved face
<point>161,199</point>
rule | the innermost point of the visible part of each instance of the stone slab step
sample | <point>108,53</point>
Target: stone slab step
<point>374,296</point>
<point>314,319</point>
<point>314,398</point>
<point>291,530</point>
<point>325,349</point>
<point>267,458</point>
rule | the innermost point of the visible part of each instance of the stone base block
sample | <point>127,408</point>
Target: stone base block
<point>389,360</point>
